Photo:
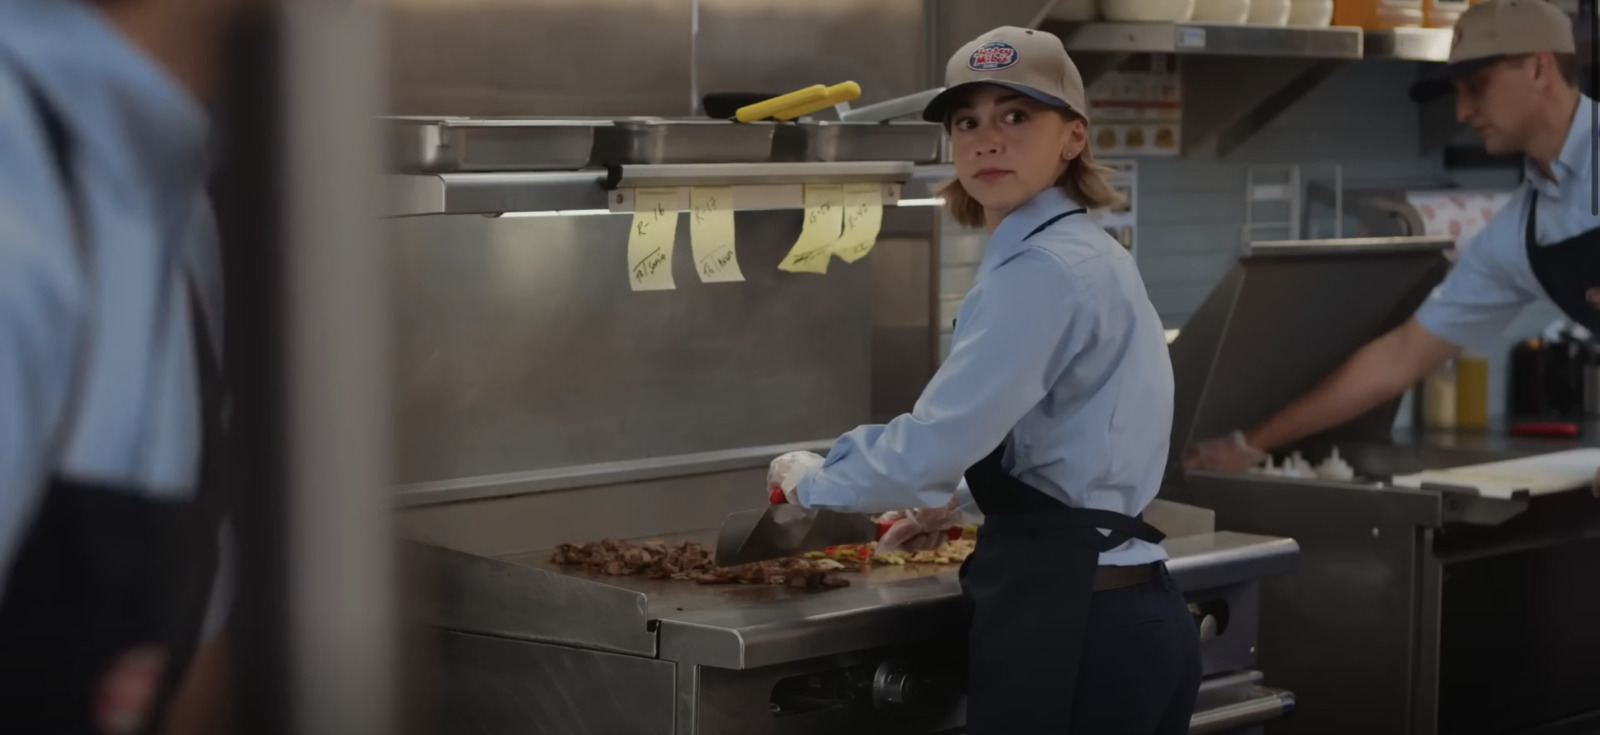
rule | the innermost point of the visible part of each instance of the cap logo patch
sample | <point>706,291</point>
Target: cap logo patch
<point>994,56</point>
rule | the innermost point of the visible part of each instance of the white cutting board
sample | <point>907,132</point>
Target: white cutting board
<point>1539,474</point>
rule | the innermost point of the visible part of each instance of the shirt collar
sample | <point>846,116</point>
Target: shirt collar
<point>117,102</point>
<point>1574,157</point>
<point>1014,229</point>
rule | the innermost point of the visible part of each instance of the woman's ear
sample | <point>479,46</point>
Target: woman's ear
<point>1073,139</point>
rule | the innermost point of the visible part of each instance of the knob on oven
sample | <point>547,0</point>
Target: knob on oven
<point>893,686</point>
<point>917,690</point>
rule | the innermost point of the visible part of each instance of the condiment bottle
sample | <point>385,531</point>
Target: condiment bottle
<point>1442,13</point>
<point>1439,398</point>
<point>1472,392</point>
<point>1377,15</point>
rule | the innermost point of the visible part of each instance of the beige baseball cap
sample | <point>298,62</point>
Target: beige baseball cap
<point>1493,30</point>
<point>1028,61</point>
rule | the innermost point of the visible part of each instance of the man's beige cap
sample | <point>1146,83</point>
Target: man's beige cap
<point>1493,30</point>
<point>1028,61</point>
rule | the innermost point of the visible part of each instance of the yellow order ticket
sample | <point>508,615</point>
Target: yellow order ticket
<point>655,225</point>
<point>711,234</point>
<point>820,230</point>
<point>863,219</point>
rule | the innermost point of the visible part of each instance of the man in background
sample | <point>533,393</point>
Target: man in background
<point>113,557</point>
<point>1514,72</point>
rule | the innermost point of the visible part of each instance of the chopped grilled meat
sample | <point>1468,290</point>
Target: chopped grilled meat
<point>689,561</point>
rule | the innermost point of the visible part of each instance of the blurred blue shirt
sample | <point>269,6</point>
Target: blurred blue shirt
<point>141,159</point>
<point>1492,279</point>
<point>1058,352</point>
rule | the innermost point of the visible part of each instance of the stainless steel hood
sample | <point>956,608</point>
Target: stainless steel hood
<point>1283,318</point>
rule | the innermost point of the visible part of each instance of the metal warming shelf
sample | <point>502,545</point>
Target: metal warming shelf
<point>1410,44</point>
<point>660,140</point>
<point>461,144</point>
<point>1208,38</point>
<point>918,142</point>
<point>590,190</point>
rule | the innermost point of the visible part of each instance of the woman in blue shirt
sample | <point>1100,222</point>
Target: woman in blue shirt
<point>1055,404</point>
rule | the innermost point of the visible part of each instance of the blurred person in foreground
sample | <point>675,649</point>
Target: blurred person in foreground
<point>1514,72</point>
<point>113,562</point>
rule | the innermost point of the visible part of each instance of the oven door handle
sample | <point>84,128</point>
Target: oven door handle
<point>1264,705</point>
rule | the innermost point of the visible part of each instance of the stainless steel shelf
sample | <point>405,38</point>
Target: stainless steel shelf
<point>1209,38</point>
<point>591,191</point>
<point>1411,44</point>
<point>1350,245</point>
<point>760,174</point>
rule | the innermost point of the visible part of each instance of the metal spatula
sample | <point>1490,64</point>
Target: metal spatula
<point>788,530</point>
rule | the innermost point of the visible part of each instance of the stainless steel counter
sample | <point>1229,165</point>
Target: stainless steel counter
<point>530,646</point>
<point>749,626</point>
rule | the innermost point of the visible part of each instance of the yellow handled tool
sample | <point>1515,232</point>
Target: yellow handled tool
<point>768,108</point>
<point>841,92</point>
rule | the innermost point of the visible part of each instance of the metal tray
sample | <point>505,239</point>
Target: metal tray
<point>827,141</point>
<point>656,140</point>
<point>464,144</point>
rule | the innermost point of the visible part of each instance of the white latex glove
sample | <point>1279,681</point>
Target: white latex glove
<point>786,472</point>
<point>1227,453</point>
<point>919,529</point>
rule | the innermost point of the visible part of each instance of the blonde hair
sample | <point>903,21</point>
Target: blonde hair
<point>1084,181</point>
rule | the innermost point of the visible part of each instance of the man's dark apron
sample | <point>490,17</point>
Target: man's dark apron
<point>104,571</point>
<point>1568,271</point>
<point>1028,587</point>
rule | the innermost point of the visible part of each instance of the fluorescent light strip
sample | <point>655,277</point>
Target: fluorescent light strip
<point>561,213</point>
<point>934,202</point>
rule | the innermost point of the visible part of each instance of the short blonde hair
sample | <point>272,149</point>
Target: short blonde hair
<point>1084,181</point>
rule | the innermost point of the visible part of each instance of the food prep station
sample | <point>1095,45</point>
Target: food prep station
<point>526,645</point>
<point>1434,608</point>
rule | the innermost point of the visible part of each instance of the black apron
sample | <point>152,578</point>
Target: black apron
<point>1028,587</point>
<point>1568,271</point>
<point>106,570</point>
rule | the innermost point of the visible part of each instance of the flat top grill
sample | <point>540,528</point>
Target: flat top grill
<point>666,598</point>
<point>525,596</point>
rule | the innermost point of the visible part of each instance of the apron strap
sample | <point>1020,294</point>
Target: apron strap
<point>1009,504</point>
<point>1053,220</point>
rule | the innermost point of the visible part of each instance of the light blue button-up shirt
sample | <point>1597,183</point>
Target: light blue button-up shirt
<point>141,158</point>
<point>1057,348</point>
<point>1492,279</point>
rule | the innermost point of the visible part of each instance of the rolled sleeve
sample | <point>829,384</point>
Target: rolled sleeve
<point>1481,295</point>
<point>1010,345</point>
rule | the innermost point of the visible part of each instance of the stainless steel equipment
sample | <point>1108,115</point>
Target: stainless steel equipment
<point>1432,610</point>
<point>908,106</point>
<point>530,647</point>
<point>918,142</point>
<point>780,530</point>
<point>651,140</point>
<point>460,144</point>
